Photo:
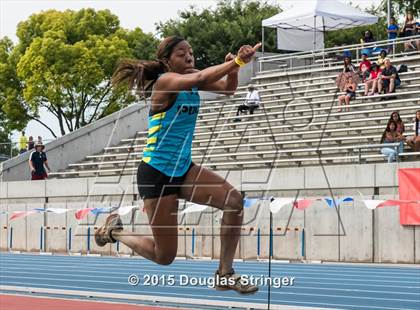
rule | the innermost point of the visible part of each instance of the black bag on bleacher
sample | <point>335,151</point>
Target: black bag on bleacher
<point>402,68</point>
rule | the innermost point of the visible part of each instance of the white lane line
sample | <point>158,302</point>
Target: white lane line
<point>147,297</point>
<point>161,298</point>
<point>300,275</point>
<point>301,271</point>
<point>117,273</point>
<point>138,259</point>
<point>283,292</point>
<point>135,261</point>
<point>72,278</point>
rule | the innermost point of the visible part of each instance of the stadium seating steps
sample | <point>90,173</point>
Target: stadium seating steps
<point>299,124</point>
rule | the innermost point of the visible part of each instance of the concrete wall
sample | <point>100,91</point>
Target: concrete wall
<point>88,140</point>
<point>351,233</point>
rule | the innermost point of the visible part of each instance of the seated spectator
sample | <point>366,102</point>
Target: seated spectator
<point>392,33</point>
<point>348,66</point>
<point>31,143</point>
<point>38,162</point>
<point>23,143</point>
<point>391,135</point>
<point>409,30</point>
<point>252,102</point>
<point>389,78</point>
<point>350,89</point>
<point>367,38</point>
<point>364,67</point>
<point>414,141</point>
<point>381,59</point>
<point>418,32</point>
<point>371,83</point>
<point>395,116</point>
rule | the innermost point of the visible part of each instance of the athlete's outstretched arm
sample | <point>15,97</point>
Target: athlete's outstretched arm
<point>176,82</point>
<point>226,86</point>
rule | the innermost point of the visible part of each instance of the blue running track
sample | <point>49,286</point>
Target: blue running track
<point>338,286</point>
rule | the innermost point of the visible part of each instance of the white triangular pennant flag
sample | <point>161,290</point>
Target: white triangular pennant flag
<point>125,210</point>
<point>372,204</point>
<point>279,203</point>
<point>194,208</point>
<point>56,210</point>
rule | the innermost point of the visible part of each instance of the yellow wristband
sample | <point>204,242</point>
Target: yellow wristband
<point>239,61</point>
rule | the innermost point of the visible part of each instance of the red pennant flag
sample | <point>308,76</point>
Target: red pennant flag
<point>302,204</point>
<point>19,214</point>
<point>409,188</point>
<point>81,214</point>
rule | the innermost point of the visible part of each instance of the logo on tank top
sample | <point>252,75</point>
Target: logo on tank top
<point>187,109</point>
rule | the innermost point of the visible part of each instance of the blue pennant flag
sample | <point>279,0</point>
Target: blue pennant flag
<point>249,202</point>
<point>330,201</point>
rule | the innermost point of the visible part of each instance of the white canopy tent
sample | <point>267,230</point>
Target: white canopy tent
<point>302,27</point>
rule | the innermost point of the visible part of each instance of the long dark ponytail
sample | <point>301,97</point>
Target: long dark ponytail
<point>388,129</point>
<point>142,74</point>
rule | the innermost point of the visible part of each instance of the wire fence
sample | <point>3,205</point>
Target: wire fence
<point>12,149</point>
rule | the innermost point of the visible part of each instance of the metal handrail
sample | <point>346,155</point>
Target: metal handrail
<point>321,53</point>
<point>337,49</point>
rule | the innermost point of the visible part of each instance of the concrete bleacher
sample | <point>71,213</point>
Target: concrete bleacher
<point>299,124</point>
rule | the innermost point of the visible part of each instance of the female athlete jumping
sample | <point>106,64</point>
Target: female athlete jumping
<point>166,172</point>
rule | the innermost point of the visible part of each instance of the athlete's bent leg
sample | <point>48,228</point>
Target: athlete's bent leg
<point>163,219</point>
<point>203,186</point>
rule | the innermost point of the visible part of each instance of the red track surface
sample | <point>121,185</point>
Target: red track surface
<point>18,302</point>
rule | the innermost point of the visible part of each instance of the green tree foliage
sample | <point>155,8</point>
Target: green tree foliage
<point>11,116</point>
<point>400,7</point>
<point>63,63</point>
<point>215,32</point>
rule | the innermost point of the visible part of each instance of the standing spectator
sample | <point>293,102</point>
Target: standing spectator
<point>252,102</point>
<point>395,116</point>
<point>392,33</point>
<point>31,143</point>
<point>381,59</point>
<point>409,30</point>
<point>23,143</point>
<point>414,141</point>
<point>391,135</point>
<point>350,89</point>
<point>39,139</point>
<point>38,162</point>
<point>371,84</point>
<point>389,78</point>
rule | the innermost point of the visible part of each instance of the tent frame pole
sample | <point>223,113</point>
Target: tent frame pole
<point>262,47</point>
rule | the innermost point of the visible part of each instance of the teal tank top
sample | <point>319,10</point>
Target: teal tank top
<point>170,135</point>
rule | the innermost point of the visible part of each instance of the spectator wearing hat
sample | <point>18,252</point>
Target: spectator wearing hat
<point>252,102</point>
<point>371,82</point>
<point>38,162</point>
<point>364,67</point>
<point>389,78</point>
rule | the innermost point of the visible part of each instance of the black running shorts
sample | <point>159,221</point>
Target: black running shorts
<point>153,184</point>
